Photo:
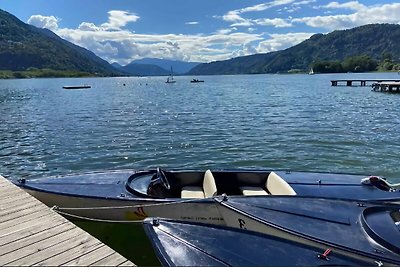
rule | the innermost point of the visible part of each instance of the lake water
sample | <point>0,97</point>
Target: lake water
<point>291,122</point>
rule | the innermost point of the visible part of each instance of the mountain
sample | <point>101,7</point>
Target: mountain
<point>23,47</point>
<point>179,67</point>
<point>144,70</point>
<point>374,40</point>
<point>116,65</point>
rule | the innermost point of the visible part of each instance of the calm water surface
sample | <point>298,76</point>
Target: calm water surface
<point>296,122</point>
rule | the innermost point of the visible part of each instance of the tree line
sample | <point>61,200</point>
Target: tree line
<point>361,63</point>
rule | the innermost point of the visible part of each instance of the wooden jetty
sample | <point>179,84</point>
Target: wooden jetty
<point>387,87</point>
<point>32,234</point>
<point>361,82</point>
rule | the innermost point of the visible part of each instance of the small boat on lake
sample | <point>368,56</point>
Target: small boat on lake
<point>170,78</point>
<point>85,86</point>
<point>187,195</point>
<point>178,243</point>
<point>367,231</point>
<point>196,81</point>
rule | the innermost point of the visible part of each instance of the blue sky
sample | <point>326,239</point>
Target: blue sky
<point>195,30</point>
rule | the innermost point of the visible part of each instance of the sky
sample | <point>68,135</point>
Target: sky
<point>195,30</point>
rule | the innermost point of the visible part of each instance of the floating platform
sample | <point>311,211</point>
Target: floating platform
<point>77,87</point>
<point>361,82</point>
<point>33,234</point>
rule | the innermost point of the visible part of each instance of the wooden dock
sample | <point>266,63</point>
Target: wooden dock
<point>361,82</point>
<point>32,234</point>
<point>387,87</point>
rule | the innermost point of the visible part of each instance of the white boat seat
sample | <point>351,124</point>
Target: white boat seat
<point>253,191</point>
<point>192,192</point>
<point>209,188</point>
<point>277,186</point>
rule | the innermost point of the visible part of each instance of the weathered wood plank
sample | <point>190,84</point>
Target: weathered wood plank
<point>72,253</point>
<point>127,263</point>
<point>26,246</point>
<point>32,234</point>
<point>111,260</point>
<point>91,257</point>
<point>18,215</point>
<point>16,198</point>
<point>29,225</point>
<point>27,232</point>
<point>62,242</point>
<point>34,215</point>
<point>15,207</point>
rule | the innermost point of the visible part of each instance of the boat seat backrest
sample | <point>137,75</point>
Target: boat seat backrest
<point>209,186</point>
<point>277,186</point>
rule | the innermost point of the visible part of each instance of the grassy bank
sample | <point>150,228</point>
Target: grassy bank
<point>42,73</point>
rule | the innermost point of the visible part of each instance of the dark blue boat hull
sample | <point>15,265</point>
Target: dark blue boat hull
<point>367,229</point>
<point>190,244</point>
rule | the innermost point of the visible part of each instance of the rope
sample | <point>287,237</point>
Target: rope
<point>92,219</point>
<point>134,206</point>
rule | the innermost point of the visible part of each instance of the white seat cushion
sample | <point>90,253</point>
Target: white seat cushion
<point>192,192</point>
<point>253,191</point>
<point>277,186</point>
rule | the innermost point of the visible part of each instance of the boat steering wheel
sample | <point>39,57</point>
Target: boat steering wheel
<point>163,179</point>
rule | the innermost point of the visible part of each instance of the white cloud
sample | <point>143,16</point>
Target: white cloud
<point>277,42</point>
<point>277,22</point>
<point>235,16</point>
<point>192,23</point>
<point>265,6</point>
<point>387,13</point>
<point>118,19</point>
<point>48,22</point>
<point>124,46</point>
<point>305,2</point>
<point>87,26</point>
<point>353,5</point>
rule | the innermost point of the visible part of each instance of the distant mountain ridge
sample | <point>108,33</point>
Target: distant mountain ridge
<point>373,40</point>
<point>179,67</point>
<point>156,67</point>
<point>23,46</point>
<point>144,70</point>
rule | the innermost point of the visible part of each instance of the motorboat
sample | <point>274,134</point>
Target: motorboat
<point>178,243</point>
<point>363,230</point>
<point>196,81</point>
<point>187,195</point>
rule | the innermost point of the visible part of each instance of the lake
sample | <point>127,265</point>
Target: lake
<point>292,122</point>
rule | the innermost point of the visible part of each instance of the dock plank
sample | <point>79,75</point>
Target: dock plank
<point>91,257</point>
<point>111,260</point>
<point>28,226</point>
<point>26,232</point>
<point>62,243</point>
<point>71,254</point>
<point>26,246</point>
<point>33,234</point>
